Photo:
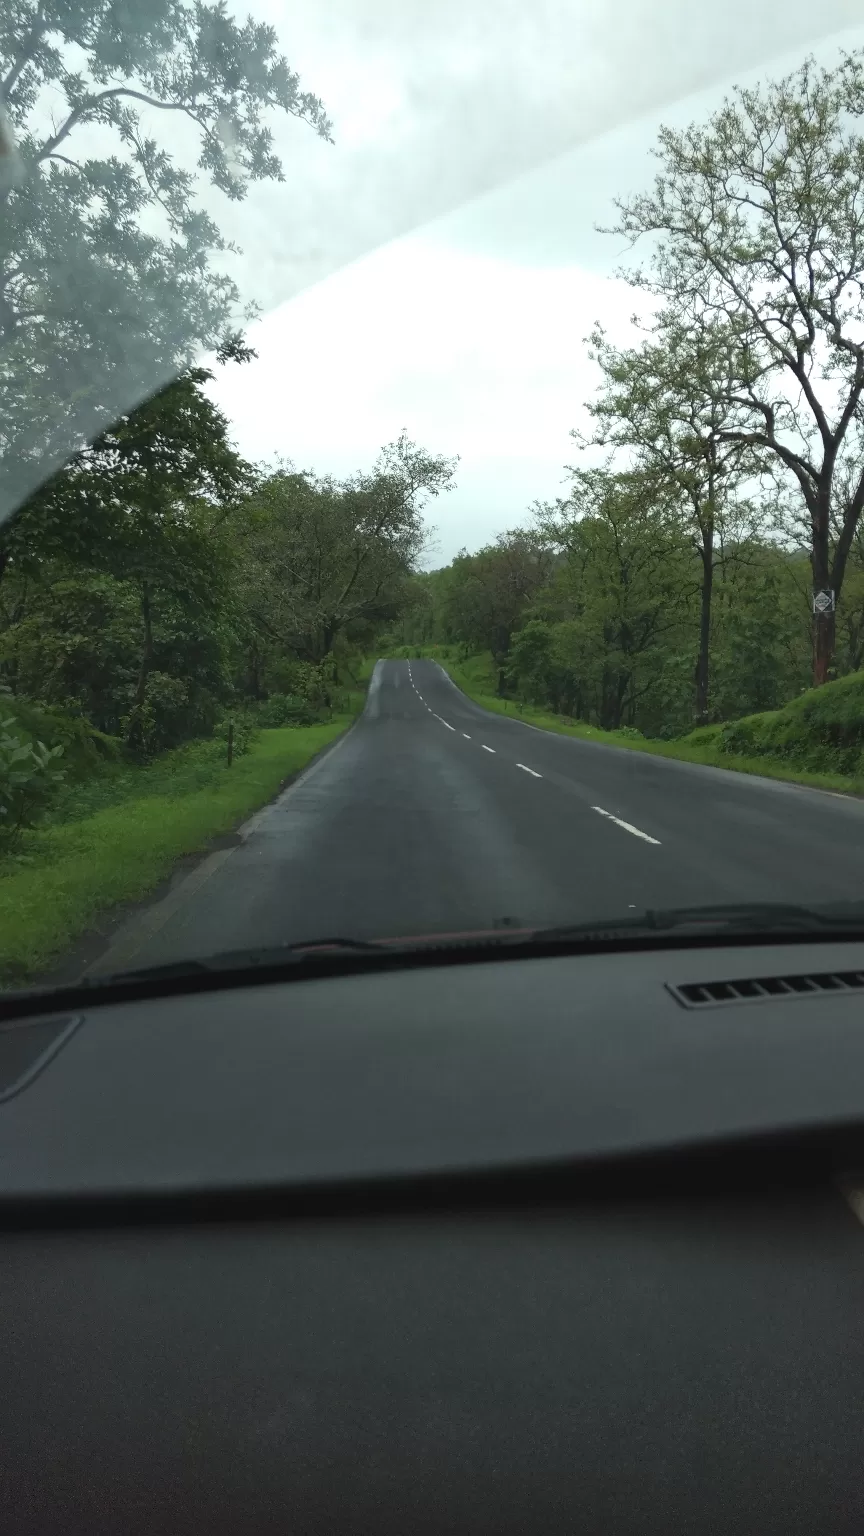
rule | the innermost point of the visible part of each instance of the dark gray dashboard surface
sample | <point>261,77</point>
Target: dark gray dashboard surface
<point>432,1070</point>
<point>613,1366</point>
<point>630,1369</point>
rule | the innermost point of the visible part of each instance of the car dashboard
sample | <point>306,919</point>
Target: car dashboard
<point>557,1243</point>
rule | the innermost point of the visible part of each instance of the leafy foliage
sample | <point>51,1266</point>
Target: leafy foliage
<point>607,628</point>
<point>756,220</point>
<point>666,405</point>
<point>106,279</point>
<point>157,587</point>
<point>822,730</point>
<point>287,709</point>
<point>242,728</point>
<point>115,590</point>
<point>28,778</point>
<point>325,559</point>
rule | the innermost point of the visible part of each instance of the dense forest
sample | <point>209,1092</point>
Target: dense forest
<point>594,611</point>
<point>160,580</point>
<point>596,616</point>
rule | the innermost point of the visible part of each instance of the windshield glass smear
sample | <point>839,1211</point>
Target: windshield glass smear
<point>431,476</point>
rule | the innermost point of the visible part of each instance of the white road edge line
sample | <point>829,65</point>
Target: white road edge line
<point>487,749</point>
<point>532,772</point>
<point>626,825</point>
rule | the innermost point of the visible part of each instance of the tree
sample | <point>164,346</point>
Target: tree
<point>757,221</point>
<point>145,505</point>
<point>163,479</point>
<point>762,646</point>
<point>323,557</point>
<point>172,448</point>
<point>624,575</point>
<point>667,403</point>
<point>485,595</point>
<point>106,282</point>
<point>540,664</point>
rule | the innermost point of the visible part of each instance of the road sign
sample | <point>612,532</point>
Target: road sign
<point>823,602</point>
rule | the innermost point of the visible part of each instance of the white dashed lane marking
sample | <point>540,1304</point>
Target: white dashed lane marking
<point>628,827</point>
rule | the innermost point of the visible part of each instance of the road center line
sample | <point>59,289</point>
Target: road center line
<point>487,749</point>
<point>626,825</point>
<point>465,734</point>
<point>445,722</point>
<point>529,770</point>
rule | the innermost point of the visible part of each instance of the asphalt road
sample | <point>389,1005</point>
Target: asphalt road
<point>432,815</point>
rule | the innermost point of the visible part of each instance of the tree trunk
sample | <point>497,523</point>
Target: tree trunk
<point>824,624</point>
<point>706,554</point>
<point>824,634</point>
<point>147,648</point>
<point>253,671</point>
<point>622,685</point>
<point>136,731</point>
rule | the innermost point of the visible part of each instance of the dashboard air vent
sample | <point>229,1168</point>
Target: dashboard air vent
<point>764,989</point>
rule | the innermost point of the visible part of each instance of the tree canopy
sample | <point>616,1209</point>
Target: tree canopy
<point>109,271</point>
<point>333,558</point>
<point>756,219</point>
<point>159,579</point>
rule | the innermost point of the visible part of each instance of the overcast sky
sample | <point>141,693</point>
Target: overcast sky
<point>414,298</point>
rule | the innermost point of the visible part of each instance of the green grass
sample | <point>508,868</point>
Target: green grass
<point>794,744</point>
<point>63,877</point>
<point>363,670</point>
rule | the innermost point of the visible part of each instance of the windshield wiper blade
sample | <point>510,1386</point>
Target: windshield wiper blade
<point>760,919</point>
<point>274,955</point>
<point>734,917</point>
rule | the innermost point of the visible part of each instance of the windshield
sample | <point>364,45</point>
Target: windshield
<point>431,446</point>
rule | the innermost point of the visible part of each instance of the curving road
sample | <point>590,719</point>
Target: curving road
<point>432,815</point>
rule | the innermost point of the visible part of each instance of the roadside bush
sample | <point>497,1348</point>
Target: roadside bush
<point>85,749</point>
<point>822,730</point>
<point>304,680</point>
<point>29,778</point>
<point>702,736</point>
<point>174,710</point>
<point>287,709</point>
<point>245,731</point>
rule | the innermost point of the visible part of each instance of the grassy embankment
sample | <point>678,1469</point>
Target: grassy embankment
<point>116,833</point>
<point>817,739</point>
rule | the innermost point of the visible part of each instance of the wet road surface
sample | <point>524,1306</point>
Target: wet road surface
<point>432,815</point>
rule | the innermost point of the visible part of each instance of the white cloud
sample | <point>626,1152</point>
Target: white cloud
<point>434,104</point>
<point>474,355</point>
<point>472,332</point>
